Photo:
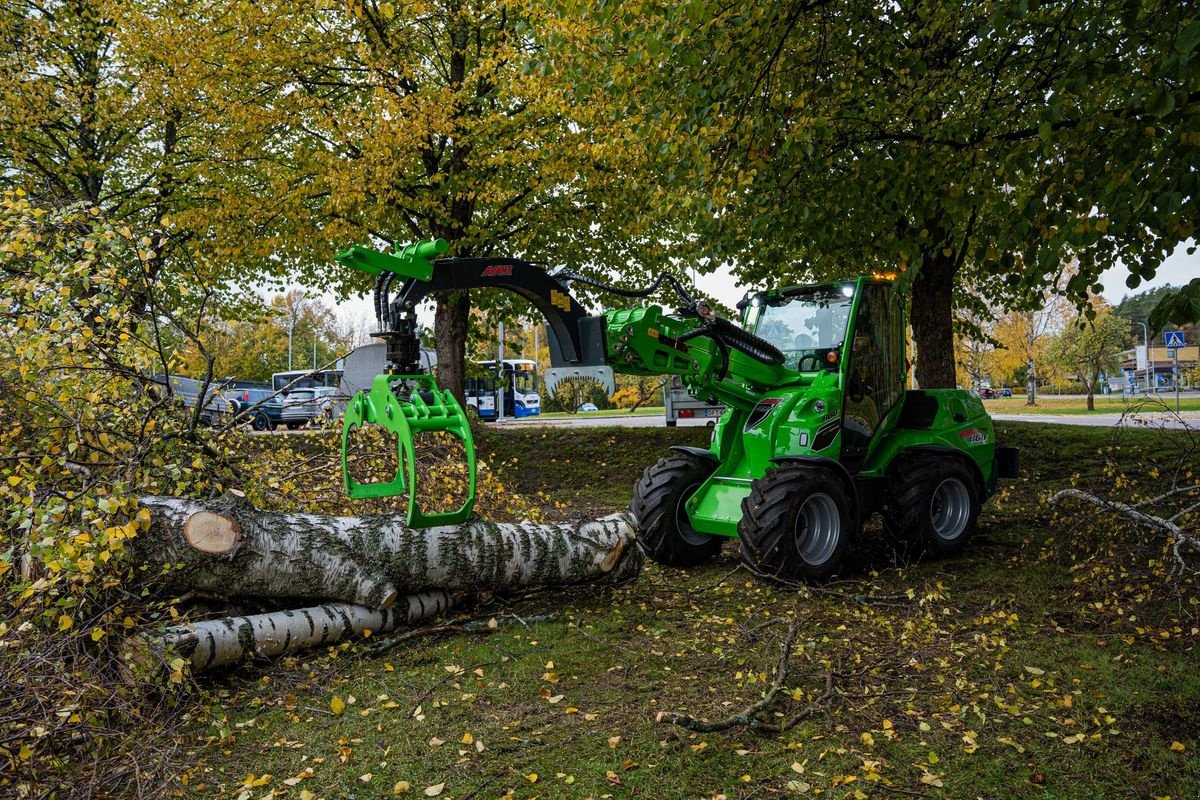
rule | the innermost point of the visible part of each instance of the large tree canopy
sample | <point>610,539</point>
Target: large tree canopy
<point>977,147</point>
<point>345,124</point>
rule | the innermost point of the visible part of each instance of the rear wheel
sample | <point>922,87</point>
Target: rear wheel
<point>660,506</point>
<point>796,523</point>
<point>934,504</point>
<point>261,422</point>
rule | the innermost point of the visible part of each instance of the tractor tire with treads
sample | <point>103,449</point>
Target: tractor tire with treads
<point>933,504</point>
<point>796,523</point>
<point>663,530</point>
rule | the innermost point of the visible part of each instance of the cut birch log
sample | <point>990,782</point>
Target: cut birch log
<point>230,548</point>
<point>221,642</point>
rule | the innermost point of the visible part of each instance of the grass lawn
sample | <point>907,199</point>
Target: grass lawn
<point>1104,404</point>
<point>1052,660</point>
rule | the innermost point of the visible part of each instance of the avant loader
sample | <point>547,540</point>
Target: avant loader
<point>819,432</point>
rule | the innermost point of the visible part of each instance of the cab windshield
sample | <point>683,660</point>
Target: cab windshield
<point>807,323</point>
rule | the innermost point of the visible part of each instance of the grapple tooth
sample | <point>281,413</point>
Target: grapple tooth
<point>601,375</point>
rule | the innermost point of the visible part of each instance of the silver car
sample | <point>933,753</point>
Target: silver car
<point>301,406</point>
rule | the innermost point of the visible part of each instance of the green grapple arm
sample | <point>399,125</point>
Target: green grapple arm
<point>712,357</point>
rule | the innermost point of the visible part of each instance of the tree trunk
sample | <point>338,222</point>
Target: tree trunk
<point>230,548</point>
<point>217,643</point>
<point>450,334</point>
<point>933,322</point>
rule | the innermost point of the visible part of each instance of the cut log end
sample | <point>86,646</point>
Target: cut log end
<point>214,533</point>
<point>613,558</point>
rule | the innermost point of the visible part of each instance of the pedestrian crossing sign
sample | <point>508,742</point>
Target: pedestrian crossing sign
<point>1173,338</point>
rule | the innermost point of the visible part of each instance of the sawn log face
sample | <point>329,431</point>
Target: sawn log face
<point>371,560</point>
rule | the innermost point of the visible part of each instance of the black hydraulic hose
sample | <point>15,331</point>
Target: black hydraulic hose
<point>646,292</point>
<point>385,303</point>
<point>380,280</point>
<point>724,332</point>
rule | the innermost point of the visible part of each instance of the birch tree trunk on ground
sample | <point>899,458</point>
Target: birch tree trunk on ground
<point>230,548</point>
<point>217,643</point>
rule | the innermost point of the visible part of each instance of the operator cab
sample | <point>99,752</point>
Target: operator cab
<point>812,326</point>
<point>807,323</point>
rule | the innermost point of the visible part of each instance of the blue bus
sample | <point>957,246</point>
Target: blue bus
<point>515,379</point>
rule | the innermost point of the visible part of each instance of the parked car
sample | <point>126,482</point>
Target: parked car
<point>217,404</point>
<point>587,407</point>
<point>262,408</point>
<point>987,392</point>
<point>1005,392</point>
<point>301,406</point>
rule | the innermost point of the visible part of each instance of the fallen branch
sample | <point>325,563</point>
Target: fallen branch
<point>1181,537</point>
<point>749,716</point>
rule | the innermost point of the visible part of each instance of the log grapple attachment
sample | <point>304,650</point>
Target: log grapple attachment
<point>406,401</point>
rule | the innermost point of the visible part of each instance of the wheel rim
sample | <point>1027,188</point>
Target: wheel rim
<point>818,529</point>
<point>682,523</point>
<point>950,509</point>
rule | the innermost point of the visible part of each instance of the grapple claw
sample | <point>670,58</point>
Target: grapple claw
<point>416,405</point>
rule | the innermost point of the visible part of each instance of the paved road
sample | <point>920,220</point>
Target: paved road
<point>1190,419</point>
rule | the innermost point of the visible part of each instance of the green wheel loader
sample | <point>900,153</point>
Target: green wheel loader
<point>819,431</point>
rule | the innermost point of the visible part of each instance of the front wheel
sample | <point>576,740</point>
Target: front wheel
<point>664,529</point>
<point>796,523</point>
<point>934,504</point>
<point>261,422</point>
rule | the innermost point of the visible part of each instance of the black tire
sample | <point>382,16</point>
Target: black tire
<point>671,423</point>
<point>261,422</point>
<point>663,530</point>
<point>796,523</point>
<point>933,504</point>
<point>291,426</point>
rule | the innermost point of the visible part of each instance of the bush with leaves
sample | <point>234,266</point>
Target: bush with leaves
<point>84,432</point>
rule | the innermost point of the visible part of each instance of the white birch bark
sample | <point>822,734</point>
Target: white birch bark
<point>220,642</point>
<point>372,560</point>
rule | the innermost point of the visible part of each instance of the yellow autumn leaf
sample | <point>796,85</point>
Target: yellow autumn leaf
<point>402,787</point>
<point>1178,747</point>
<point>337,705</point>
<point>532,777</point>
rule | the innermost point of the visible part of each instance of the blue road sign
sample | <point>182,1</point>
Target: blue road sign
<point>1173,338</point>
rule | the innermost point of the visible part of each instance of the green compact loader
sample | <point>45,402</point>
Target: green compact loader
<point>819,431</point>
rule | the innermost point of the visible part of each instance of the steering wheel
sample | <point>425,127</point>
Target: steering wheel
<point>809,357</point>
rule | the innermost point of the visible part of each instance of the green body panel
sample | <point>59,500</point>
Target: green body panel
<point>404,417</point>
<point>807,410</point>
<point>961,423</point>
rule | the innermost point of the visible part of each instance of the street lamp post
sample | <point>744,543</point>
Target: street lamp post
<point>1149,371</point>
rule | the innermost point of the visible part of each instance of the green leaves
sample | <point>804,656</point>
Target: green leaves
<point>1181,307</point>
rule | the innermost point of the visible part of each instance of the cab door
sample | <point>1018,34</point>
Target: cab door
<point>874,377</point>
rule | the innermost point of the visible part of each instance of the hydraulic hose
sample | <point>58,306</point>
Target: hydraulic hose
<point>725,332</point>
<point>646,292</point>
